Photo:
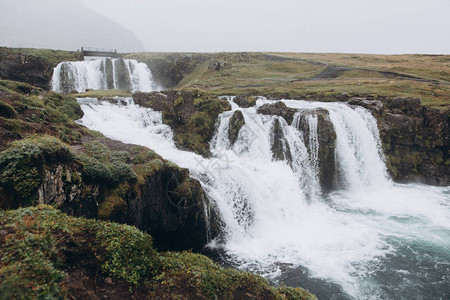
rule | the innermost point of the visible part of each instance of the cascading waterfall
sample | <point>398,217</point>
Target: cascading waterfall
<point>368,239</point>
<point>102,74</point>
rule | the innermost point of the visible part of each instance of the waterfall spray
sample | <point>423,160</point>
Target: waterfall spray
<point>102,74</point>
<point>371,237</point>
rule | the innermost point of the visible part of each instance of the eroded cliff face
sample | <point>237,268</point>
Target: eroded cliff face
<point>84,174</point>
<point>415,139</point>
<point>25,68</point>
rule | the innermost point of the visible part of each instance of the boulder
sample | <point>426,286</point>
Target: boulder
<point>278,109</point>
<point>245,101</point>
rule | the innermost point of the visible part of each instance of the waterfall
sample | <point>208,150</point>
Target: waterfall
<point>364,238</point>
<point>102,74</point>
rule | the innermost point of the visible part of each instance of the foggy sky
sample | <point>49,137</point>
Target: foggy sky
<point>61,24</point>
<point>354,26</point>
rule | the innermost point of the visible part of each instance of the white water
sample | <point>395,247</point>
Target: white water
<point>374,238</point>
<point>91,74</point>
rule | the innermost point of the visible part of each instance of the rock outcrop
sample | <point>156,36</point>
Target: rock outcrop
<point>94,177</point>
<point>192,114</point>
<point>326,139</point>
<point>278,109</point>
<point>415,139</point>
<point>279,145</point>
<point>245,101</point>
<point>25,68</point>
<point>168,71</point>
<point>236,122</point>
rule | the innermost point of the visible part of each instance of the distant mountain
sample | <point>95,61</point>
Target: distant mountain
<point>61,24</point>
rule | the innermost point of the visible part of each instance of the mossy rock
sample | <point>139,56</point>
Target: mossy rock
<point>23,163</point>
<point>44,249</point>
<point>236,122</point>
<point>245,101</point>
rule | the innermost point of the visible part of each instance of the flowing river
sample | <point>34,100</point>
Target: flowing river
<point>370,238</point>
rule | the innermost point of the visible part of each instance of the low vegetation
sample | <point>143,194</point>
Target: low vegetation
<point>52,56</point>
<point>102,94</point>
<point>41,249</point>
<point>26,110</point>
<point>314,76</point>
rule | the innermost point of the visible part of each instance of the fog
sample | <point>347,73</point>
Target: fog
<point>61,24</point>
<point>354,26</point>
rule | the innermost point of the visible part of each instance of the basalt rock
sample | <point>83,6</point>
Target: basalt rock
<point>279,145</point>
<point>415,140</point>
<point>278,109</point>
<point>171,206</point>
<point>109,73</point>
<point>326,139</point>
<point>25,68</point>
<point>236,122</point>
<point>123,75</point>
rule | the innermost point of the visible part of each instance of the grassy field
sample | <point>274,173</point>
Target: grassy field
<point>53,56</point>
<point>105,93</point>
<point>318,75</point>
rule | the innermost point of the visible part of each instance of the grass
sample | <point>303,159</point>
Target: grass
<point>52,56</point>
<point>41,243</point>
<point>103,93</point>
<point>299,74</point>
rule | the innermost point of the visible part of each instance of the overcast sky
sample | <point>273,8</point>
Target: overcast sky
<point>356,26</point>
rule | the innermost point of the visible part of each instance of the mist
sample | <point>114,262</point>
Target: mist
<point>61,24</point>
<point>351,26</point>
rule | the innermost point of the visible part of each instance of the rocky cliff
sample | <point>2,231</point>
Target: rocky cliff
<point>34,70</point>
<point>415,138</point>
<point>49,159</point>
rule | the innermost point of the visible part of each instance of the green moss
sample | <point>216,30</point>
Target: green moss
<point>52,56</point>
<point>67,105</point>
<point>12,125</point>
<point>110,205</point>
<point>101,165</point>
<point>178,101</point>
<point>103,93</point>
<point>209,280</point>
<point>411,160</point>
<point>199,130</point>
<point>22,164</point>
<point>41,234</point>
<point>20,87</point>
<point>34,260</point>
<point>96,134</point>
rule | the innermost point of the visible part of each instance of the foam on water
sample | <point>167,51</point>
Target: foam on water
<point>374,238</point>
